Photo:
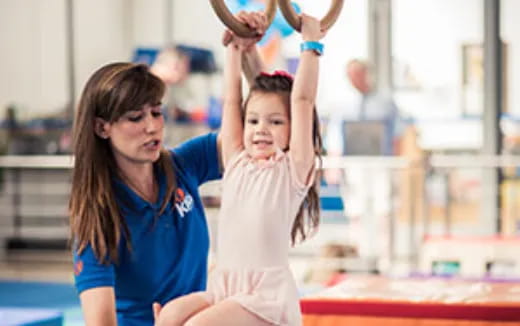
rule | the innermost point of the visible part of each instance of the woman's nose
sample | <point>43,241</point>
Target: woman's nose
<point>152,124</point>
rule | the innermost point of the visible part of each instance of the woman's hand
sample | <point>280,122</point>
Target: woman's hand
<point>311,28</point>
<point>156,310</point>
<point>256,21</point>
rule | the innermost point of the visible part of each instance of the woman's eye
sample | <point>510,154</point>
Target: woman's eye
<point>157,114</point>
<point>135,119</point>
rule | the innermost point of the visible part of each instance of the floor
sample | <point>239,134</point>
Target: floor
<point>24,277</point>
<point>22,269</point>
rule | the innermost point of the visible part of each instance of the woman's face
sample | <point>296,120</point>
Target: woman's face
<point>137,136</point>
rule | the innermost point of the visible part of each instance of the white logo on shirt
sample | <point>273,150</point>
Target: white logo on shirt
<point>183,202</point>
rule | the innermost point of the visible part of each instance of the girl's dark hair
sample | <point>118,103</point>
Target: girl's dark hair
<point>282,84</point>
<point>95,217</point>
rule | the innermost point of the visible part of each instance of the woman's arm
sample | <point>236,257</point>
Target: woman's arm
<point>252,64</point>
<point>303,99</point>
<point>99,306</point>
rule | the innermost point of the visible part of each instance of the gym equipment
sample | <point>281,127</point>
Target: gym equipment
<point>234,24</point>
<point>294,19</point>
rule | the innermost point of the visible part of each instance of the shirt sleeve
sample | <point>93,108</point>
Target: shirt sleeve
<point>199,156</point>
<point>90,273</point>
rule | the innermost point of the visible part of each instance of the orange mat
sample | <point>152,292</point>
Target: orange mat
<point>320,320</point>
<point>378,301</point>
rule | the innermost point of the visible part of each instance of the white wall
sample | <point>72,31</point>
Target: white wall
<point>148,23</point>
<point>346,40</point>
<point>33,66</point>
<point>106,31</point>
<point>428,35</point>
<point>510,32</point>
<point>101,36</point>
<point>32,69</point>
<point>196,24</point>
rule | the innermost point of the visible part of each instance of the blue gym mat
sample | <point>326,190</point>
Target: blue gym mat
<point>40,296</point>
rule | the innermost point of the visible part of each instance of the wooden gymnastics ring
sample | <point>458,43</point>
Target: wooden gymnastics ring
<point>237,26</point>
<point>294,20</point>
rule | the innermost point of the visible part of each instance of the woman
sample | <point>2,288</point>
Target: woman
<point>138,226</point>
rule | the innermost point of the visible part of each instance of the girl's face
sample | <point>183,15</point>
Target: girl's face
<point>137,136</point>
<point>266,126</point>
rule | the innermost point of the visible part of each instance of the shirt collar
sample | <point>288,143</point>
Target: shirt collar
<point>129,198</point>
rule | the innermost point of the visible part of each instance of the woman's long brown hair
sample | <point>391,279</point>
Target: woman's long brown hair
<point>282,84</point>
<point>95,217</point>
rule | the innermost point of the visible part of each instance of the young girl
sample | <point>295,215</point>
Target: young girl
<point>269,148</point>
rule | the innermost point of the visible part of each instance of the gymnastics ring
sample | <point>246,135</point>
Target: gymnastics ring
<point>294,20</point>
<point>234,24</point>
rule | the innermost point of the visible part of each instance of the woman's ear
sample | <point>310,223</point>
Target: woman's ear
<point>102,128</point>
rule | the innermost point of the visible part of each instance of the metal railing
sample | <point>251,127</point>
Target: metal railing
<point>410,175</point>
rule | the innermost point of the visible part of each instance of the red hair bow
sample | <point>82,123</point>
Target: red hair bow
<point>281,73</point>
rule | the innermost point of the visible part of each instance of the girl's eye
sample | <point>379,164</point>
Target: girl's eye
<point>252,121</point>
<point>277,122</point>
<point>157,114</point>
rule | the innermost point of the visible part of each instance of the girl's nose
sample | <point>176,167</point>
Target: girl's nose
<point>261,128</point>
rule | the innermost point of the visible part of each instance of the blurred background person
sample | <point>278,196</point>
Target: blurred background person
<point>373,104</point>
<point>367,125</point>
<point>367,105</point>
<point>173,68</point>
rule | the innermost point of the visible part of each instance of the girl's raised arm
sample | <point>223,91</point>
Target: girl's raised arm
<point>232,124</point>
<point>303,98</point>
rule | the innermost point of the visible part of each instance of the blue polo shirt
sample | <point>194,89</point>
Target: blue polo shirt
<point>169,254</point>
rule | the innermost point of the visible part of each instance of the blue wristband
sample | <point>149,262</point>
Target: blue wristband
<point>317,47</point>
